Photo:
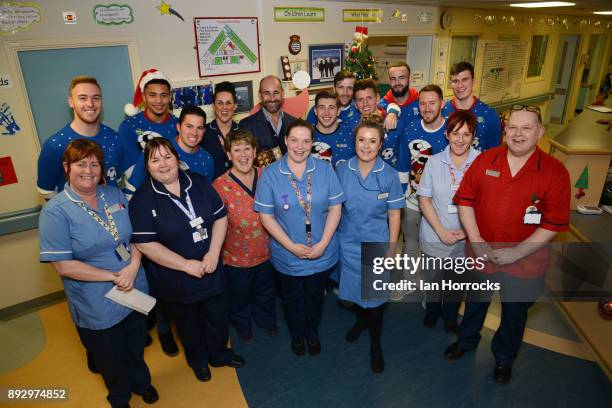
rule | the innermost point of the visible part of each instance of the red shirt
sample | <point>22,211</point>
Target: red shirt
<point>247,243</point>
<point>500,201</point>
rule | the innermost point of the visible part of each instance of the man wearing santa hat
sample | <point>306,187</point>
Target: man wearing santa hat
<point>153,94</point>
<point>149,116</point>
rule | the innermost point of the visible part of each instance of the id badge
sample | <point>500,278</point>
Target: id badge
<point>116,207</point>
<point>200,235</point>
<point>383,196</point>
<point>532,218</point>
<point>196,222</point>
<point>452,209</point>
<point>122,252</point>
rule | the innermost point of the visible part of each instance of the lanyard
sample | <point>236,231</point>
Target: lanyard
<point>111,227</point>
<point>304,204</point>
<point>190,213</point>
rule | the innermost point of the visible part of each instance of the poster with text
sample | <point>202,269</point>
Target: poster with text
<point>227,46</point>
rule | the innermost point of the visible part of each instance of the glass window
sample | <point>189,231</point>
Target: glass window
<point>537,55</point>
<point>463,48</point>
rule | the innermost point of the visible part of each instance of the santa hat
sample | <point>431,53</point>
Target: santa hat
<point>362,30</point>
<point>147,76</point>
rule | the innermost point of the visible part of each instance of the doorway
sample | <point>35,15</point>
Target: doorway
<point>563,73</point>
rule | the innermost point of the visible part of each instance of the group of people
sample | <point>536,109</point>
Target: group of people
<point>214,231</point>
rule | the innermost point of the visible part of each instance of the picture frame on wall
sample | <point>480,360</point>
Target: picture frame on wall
<point>244,96</point>
<point>325,61</point>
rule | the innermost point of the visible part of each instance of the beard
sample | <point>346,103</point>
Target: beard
<point>402,92</point>
<point>272,106</point>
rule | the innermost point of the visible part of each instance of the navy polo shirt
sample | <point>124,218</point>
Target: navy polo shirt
<point>156,218</point>
<point>212,145</point>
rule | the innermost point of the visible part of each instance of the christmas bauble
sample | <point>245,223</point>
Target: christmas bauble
<point>354,48</point>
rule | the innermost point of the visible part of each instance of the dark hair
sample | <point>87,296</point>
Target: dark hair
<point>157,81</point>
<point>372,121</point>
<point>400,64</point>
<point>155,145</point>
<point>460,67</point>
<point>225,86</point>
<point>83,79</point>
<point>191,110</point>
<point>458,118</point>
<point>299,123</point>
<point>326,95</point>
<point>432,88</point>
<point>78,150</point>
<point>364,84</point>
<point>239,136</point>
<point>342,75</point>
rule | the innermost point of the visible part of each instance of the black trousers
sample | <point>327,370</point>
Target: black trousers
<point>119,354</point>
<point>203,328</point>
<point>251,293</point>
<point>303,301</point>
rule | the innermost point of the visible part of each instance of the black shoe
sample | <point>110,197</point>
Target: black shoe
<point>236,362</point>
<point>148,340</point>
<point>203,374</point>
<point>502,374</point>
<point>314,348</point>
<point>451,326</point>
<point>168,344</point>
<point>271,331</point>
<point>246,337</point>
<point>377,361</point>
<point>91,364</point>
<point>298,348</point>
<point>150,396</point>
<point>453,352</point>
<point>429,321</point>
<point>352,335</point>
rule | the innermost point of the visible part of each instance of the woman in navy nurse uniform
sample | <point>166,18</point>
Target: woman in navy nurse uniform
<point>179,223</point>
<point>85,233</point>
<point>299,199</point>
<point>371,213</point>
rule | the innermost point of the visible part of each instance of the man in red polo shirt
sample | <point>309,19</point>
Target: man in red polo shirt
<point>511,202</point>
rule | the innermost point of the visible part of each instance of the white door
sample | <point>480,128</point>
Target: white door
<point>567,54</point>
<point>420,52</point>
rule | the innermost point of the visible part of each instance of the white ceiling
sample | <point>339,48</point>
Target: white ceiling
<point>581,7</point>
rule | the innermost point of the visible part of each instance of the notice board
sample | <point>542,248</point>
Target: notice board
<point>502,71</point>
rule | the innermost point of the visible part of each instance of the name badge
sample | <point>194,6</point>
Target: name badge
<point>492,173</point>
<point>454,187</point>
<point>200,235</point>
<point>341,145</point>
<point>452,209</point>
<point>383,196</point>
<point>532,218</point>
<point>196,221</point>
<point>116,207</point>
<point>122,252</point>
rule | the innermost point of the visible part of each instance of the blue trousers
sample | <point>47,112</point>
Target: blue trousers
<point>441,303</point>
<point>203,328</point>
<point>251,296</point>
<point>509,336</point>
<point>303,301</point>
<point>119,355</point>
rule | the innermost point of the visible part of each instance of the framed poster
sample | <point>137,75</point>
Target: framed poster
<point>324,61</point>
<point>244,96</point>
<point>227,45</point>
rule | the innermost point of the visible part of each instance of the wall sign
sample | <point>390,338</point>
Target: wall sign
<point>227,46</point>
<point>426,17</point>
<point>285,14</point>
<point>18,16</point>
<point>113,14</point>
<point>7,171</point>
<point>362,15</point>
<point>7,121</point>
<point>295,46</point>
<point>5,82</point>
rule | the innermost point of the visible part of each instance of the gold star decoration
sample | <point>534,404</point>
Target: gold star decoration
<point>164,8</point>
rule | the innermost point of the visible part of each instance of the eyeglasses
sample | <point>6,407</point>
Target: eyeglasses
<point>528,108</point>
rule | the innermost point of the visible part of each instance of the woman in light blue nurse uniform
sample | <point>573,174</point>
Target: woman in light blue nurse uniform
<point>299,200</point>
<point>371,213</point>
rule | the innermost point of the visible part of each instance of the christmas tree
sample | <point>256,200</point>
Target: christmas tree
<point>359,60</point>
